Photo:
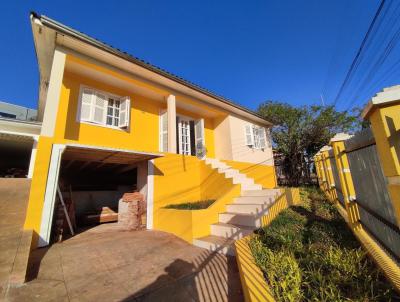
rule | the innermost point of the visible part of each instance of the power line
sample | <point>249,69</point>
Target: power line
<point>360,50</point>
<point>389,46</point>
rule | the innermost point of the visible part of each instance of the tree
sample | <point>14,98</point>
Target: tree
<point>299,132</point>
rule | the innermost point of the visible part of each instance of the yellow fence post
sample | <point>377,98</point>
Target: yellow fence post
<point>318,168</point>
<point>346,181</point>
<point>330,183</point>
<point>383,112</point>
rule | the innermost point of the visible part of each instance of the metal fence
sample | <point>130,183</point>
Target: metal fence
<point>372,197</point>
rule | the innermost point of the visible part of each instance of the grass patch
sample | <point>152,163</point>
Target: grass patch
<point>308,253</point>
<point>193,205</point>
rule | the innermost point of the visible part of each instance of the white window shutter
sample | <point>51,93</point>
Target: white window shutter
<point>249,135</point>
<point>163,131</point>
<point>256,137</point>
<point>199,137</point>
<point>86,104</point>
<point>124,109</point>
<point>99,108</point>
<point>262,138</point>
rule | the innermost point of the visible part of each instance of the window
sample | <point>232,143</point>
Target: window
<point>113,112</point>
<point>255,136</point>
<point>103,108</point>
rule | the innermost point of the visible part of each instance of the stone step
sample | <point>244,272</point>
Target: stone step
<point>240,219</point>
<point>255,209</point>
<point>216,244</point>
<point>264,192</point>
<point>254,199</point>
<point>230,230</point>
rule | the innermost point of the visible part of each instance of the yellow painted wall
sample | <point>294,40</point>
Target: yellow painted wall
<point>144,119</point>
<point>385,124</point>
<point>38,185</point>
<point>262,174</point>
<point>179,179</point>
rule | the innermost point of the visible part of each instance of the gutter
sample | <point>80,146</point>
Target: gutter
<point>61,28</point>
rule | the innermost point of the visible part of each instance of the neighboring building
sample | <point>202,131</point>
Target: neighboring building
<point>111,123</point>
<point>12,111</point>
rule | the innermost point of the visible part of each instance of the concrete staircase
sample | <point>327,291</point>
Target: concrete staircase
<point>242,216</point>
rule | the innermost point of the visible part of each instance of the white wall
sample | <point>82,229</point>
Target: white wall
<point>230,143</point>
<point>222,138</point>
<point>241,152</point>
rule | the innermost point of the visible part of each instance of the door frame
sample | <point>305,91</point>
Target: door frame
<point>186,119</point>
<point>50,194</point>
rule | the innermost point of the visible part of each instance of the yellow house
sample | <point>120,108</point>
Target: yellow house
<point>111,123</point>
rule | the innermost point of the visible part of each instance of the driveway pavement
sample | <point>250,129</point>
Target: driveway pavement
<point>107,264</point>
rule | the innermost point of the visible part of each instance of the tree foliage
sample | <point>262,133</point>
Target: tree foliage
<point>299,132</point>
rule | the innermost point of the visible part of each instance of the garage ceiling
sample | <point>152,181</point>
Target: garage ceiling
<point>106,155</point>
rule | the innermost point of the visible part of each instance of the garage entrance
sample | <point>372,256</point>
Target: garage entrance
<point>15,150</point>
<point>18,141</point>
<point>90,182</point>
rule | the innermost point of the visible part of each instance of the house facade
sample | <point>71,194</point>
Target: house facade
<point>109,120</point>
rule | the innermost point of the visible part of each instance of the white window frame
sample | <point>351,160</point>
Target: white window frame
<point>104,124</point>
<point>255,137</point>
<point>186,120</point>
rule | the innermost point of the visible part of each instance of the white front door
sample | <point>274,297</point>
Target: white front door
<point>184,136</point>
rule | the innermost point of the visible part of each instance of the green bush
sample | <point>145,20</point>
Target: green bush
<point>192,205</point>
<point>308,253</point>
<point>281,269</point>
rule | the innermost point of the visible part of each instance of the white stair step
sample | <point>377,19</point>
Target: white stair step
<point>240,219</point>
<point>230,230</point>
<point>242,180</point>
<point>255,209</point>
<point>265,192</point>
<point>254,199</point>
<point>209,160</point>
<point>217,165</point>
<point>216,244</point>
<point>230,172</point>
<point>254,187</point>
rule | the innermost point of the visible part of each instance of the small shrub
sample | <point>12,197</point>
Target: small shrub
<point>194,205</point>
<point>281,271</point>
<point>284,232</point>
<point>308,253</point>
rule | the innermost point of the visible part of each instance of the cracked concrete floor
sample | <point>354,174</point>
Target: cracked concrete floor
<point>106,264</point>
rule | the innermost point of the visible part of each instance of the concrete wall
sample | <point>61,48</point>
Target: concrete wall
<point>86,201</point>
<point>8,110</point>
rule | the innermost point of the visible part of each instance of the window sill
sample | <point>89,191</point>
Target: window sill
<point>105,126</point>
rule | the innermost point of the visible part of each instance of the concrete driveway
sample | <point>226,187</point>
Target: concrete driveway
<point>106,264</point>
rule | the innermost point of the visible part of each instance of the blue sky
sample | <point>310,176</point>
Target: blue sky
<point>247,51</point>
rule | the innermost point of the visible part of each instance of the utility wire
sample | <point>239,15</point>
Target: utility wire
<point>356,58</point>
<point>381,59</point>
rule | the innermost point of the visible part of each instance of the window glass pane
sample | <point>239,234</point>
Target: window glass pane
<point>109,120</point>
